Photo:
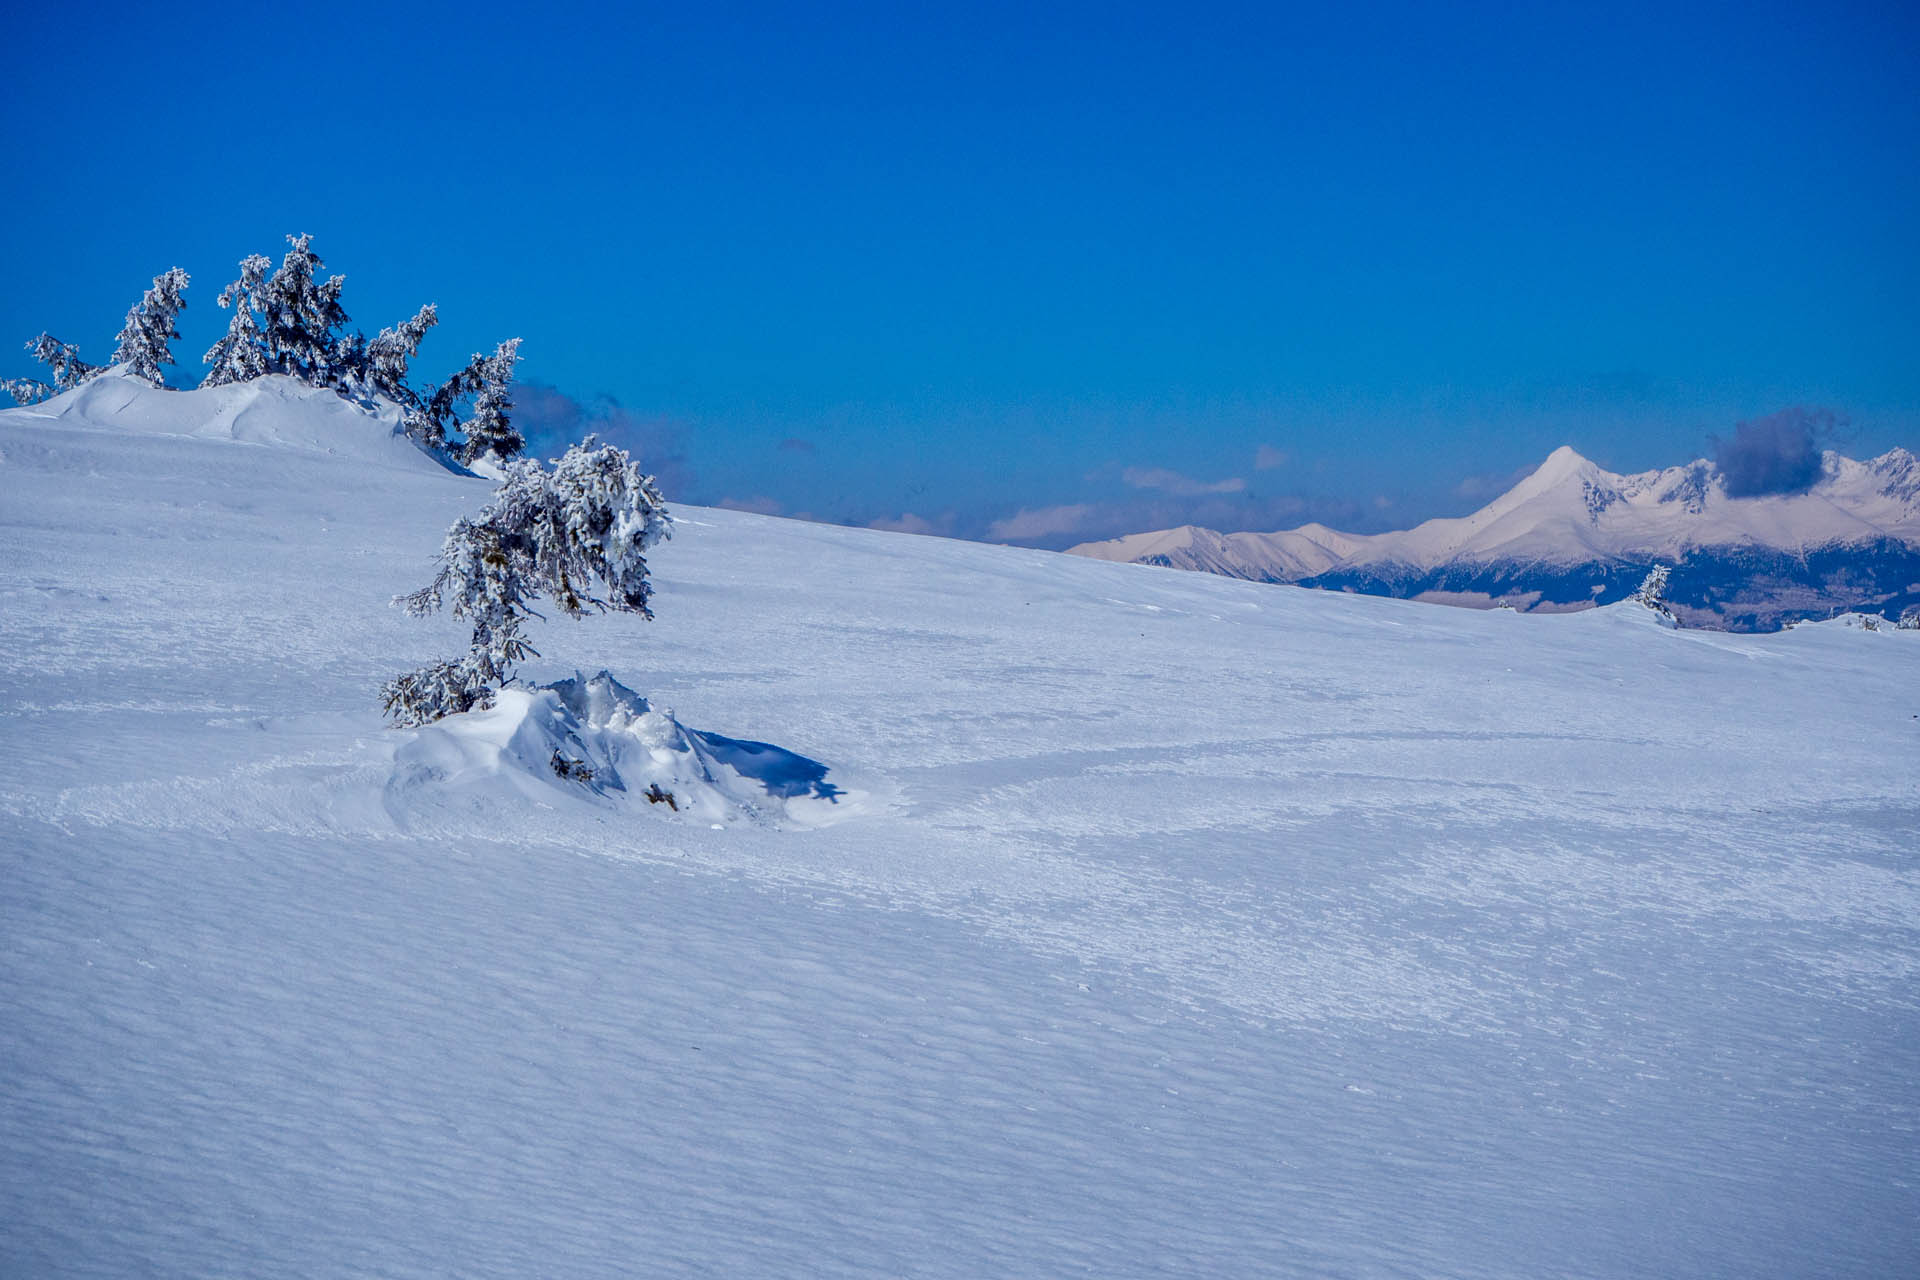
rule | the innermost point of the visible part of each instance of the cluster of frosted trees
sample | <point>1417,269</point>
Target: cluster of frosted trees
<point>575,533</point>
<point>287,320</point>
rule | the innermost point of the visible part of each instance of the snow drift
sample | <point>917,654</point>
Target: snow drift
<point>272,410</point>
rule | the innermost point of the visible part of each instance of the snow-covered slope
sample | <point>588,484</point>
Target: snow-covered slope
<point>1139,924</point>
<point>1572,533</point>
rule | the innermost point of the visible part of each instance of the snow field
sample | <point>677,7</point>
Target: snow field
<point>1174,925</point>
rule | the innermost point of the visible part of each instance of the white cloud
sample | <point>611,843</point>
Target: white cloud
<point>1267,458</point>
<point>907,523</point>
<point>1040,522</point>
<point>1180,486</point>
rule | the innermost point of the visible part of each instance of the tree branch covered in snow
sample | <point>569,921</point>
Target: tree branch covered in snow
<point>563,534</point>
<point>69,370</point>
<point>26,390</point>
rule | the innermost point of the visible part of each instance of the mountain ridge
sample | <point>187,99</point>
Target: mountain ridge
<point>1571,534</point>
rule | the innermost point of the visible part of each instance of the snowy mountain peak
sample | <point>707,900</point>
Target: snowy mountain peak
<point>1899,474</point>
<point>1562,464</point>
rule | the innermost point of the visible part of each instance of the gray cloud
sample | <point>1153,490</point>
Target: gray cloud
<point>551,420</point>
<point>1779,453</point>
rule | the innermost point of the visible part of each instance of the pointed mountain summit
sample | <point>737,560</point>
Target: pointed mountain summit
<point>1572,534</point>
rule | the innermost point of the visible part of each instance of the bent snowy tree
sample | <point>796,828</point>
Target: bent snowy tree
<point>143,342</point>
<point>565,534</point>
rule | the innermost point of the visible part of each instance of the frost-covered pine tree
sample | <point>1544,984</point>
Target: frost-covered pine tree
<point>384,371</point>
<point>142,344</point>
<point>69,370</point>
<point>561,534</point>
<point>1653,592</point>
<point>302,318</point>
<point>488,430</point>
<point>241,355</point>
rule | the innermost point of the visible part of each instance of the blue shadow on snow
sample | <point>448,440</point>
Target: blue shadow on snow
<point>783,773</point>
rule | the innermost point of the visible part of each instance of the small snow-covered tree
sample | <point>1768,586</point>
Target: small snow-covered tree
<point>69,370</point>
<point>1653,592</point>
<point>241,354</point>
<point>564,534</point>
<point>489,431</point>
<point>142,344</point>
<point>303,318</point>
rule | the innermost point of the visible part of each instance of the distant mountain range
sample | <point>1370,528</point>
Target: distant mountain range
<point>1573,535</point>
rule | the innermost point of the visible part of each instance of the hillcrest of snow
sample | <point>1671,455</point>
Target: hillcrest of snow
<point>271,410</point>
<point>1568,514</point>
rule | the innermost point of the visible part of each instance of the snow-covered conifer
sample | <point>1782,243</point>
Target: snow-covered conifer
<point>142,344</point>
<point>489,431</point>
<point>561,534</point>
<point>241,354</point>
<point>303,318</point>
<point>69,370</point>
<point>1653,592</point>
<point>390,352</point>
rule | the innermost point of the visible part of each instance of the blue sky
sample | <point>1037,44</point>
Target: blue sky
<point>1031,272</point>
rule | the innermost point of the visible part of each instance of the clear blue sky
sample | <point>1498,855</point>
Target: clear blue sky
<point>1108,266</point>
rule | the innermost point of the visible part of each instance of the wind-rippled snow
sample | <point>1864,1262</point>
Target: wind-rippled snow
<point>1175,925</point>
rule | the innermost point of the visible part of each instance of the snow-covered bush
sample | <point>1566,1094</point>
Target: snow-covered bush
<point>142,344</point>
<point>562,534</point>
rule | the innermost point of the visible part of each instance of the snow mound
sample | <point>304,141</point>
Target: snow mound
<point>597,741</point>
<point>274,410</point>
